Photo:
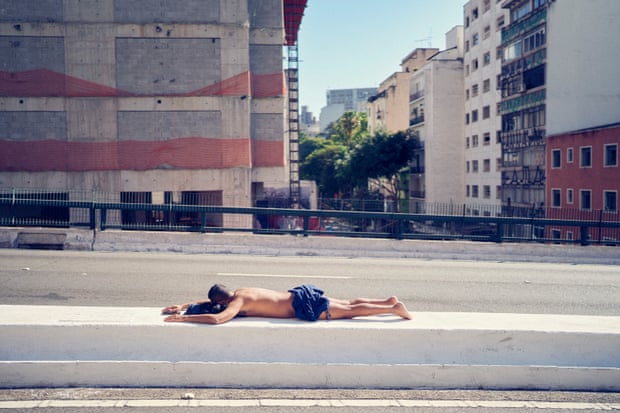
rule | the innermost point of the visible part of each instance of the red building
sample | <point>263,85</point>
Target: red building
<point>583,180</point>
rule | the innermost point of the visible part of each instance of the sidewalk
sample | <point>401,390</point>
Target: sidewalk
<point>61,346</point>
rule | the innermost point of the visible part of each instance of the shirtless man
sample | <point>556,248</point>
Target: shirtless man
<point>305,302</point>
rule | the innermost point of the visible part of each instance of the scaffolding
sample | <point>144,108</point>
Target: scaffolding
<point>293,125</point>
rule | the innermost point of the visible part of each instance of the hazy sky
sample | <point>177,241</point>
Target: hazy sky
<point>359,43</point>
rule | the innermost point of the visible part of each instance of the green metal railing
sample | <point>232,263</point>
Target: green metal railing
<point>101,211</point>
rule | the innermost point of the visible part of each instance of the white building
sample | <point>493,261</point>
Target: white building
<point>436,111</point>
<point>586,92</point>
<point>483,21</point>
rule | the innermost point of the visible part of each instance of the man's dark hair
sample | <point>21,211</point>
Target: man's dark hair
<point>219,294</point>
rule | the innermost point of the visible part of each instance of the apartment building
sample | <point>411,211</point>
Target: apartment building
<point>388,108</point>
<point>161,101</point>
<point>339,101</point>
<point>436,113</point>
<point>483,23</point>
<point>558,76</point>
<point>583,180</point>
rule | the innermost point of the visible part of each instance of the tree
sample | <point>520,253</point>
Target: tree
<point>349,129</point>
<point>381,158</point>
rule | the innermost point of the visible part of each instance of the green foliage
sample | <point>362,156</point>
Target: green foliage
<point>344,162</point>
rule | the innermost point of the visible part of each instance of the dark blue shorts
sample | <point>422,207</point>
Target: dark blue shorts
<point>309,302</point>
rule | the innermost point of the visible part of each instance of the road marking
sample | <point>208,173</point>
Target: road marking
<point>324,277</point>
<point>244,403</point>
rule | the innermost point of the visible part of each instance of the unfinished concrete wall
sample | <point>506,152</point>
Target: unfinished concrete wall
<point>142,95</point>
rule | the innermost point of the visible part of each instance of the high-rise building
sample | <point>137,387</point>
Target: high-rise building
<point>436,102</point>
<point>339,101</point>
<point>182,101</point>
<point>483,23</point>
<point>557,77</point>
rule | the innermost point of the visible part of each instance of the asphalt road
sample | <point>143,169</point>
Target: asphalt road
<point>30,277</point>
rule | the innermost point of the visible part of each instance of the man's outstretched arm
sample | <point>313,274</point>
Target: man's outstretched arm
<point>228,314</point>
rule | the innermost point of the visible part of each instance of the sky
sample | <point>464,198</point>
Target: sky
<point>359,43</point>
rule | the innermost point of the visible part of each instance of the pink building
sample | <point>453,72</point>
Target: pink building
<point>583,180</point>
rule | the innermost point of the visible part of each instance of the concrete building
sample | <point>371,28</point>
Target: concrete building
<point>436,113</point>
<point>583,181</point>
<point>483,23</point>
<point>388,108</point>
<point>339,101</point>
<point>557,77</point>
<point>178,101</point>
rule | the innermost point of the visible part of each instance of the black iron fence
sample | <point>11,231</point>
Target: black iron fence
<point>202,212</point>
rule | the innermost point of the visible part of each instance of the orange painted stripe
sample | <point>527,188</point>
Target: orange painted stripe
<point>180,153</point>
<point>268,153</point>
<point>44,82</point>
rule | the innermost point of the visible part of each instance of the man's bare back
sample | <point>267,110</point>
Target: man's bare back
<point>306,302</point>
<point>260,302</point>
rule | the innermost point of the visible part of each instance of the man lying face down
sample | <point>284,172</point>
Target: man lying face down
<point>305,302</point>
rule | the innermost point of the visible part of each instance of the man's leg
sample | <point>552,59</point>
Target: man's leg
<point>337,310</point>
<point>380,301</point>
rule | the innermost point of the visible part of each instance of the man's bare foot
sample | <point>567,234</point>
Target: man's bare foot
<point>401,310</point>
<point>391,300</point>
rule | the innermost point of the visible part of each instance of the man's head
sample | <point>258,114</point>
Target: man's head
<point>219,294</point>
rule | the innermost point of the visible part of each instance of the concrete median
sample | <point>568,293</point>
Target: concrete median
<point>60,346</point>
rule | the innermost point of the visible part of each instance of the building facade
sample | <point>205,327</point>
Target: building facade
<point>436,112</point>
<point>483,23</point>
<point>583,180</point>
<point>388,109</point>
<point>161,101</point>
<point>523,106</point>
<point>339,101</point>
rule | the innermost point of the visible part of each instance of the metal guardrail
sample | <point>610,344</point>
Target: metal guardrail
<point>100,212</point>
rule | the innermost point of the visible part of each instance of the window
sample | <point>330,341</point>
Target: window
<point>487,32</point>
<point>611,155</point>
<point>500,23</point>
<point>487,58</point>
<point>474,141</point>
<point>556,198</point>
<point>467,94</point>
<point>467,166</point>
<point>585,199</point>
<point>467,142</point>
<point>486,189</point>
<point>474,13</point>
<point>498,164</point>
<point>556,158</point>
<point>475,39</point>
<point>467,45</point>
<point>467,191</point>
<point>486,112</point>
<point>585,157</point>
<point>474,191</point>
<point>474,90</point>
<point>486,85</point>
<point>486,139</point>
<point>498,192</point>
<point>486,165</point>
<point>474,166</point>
<point>487,5</point>
<point>569,196</point>
<point>467,118</point>
<point>610,201</point>
<point>474,65</point>
<point>569,155</point>
<point>474,115</point>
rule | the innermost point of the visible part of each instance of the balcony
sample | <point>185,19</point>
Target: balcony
<point>416,120</point>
